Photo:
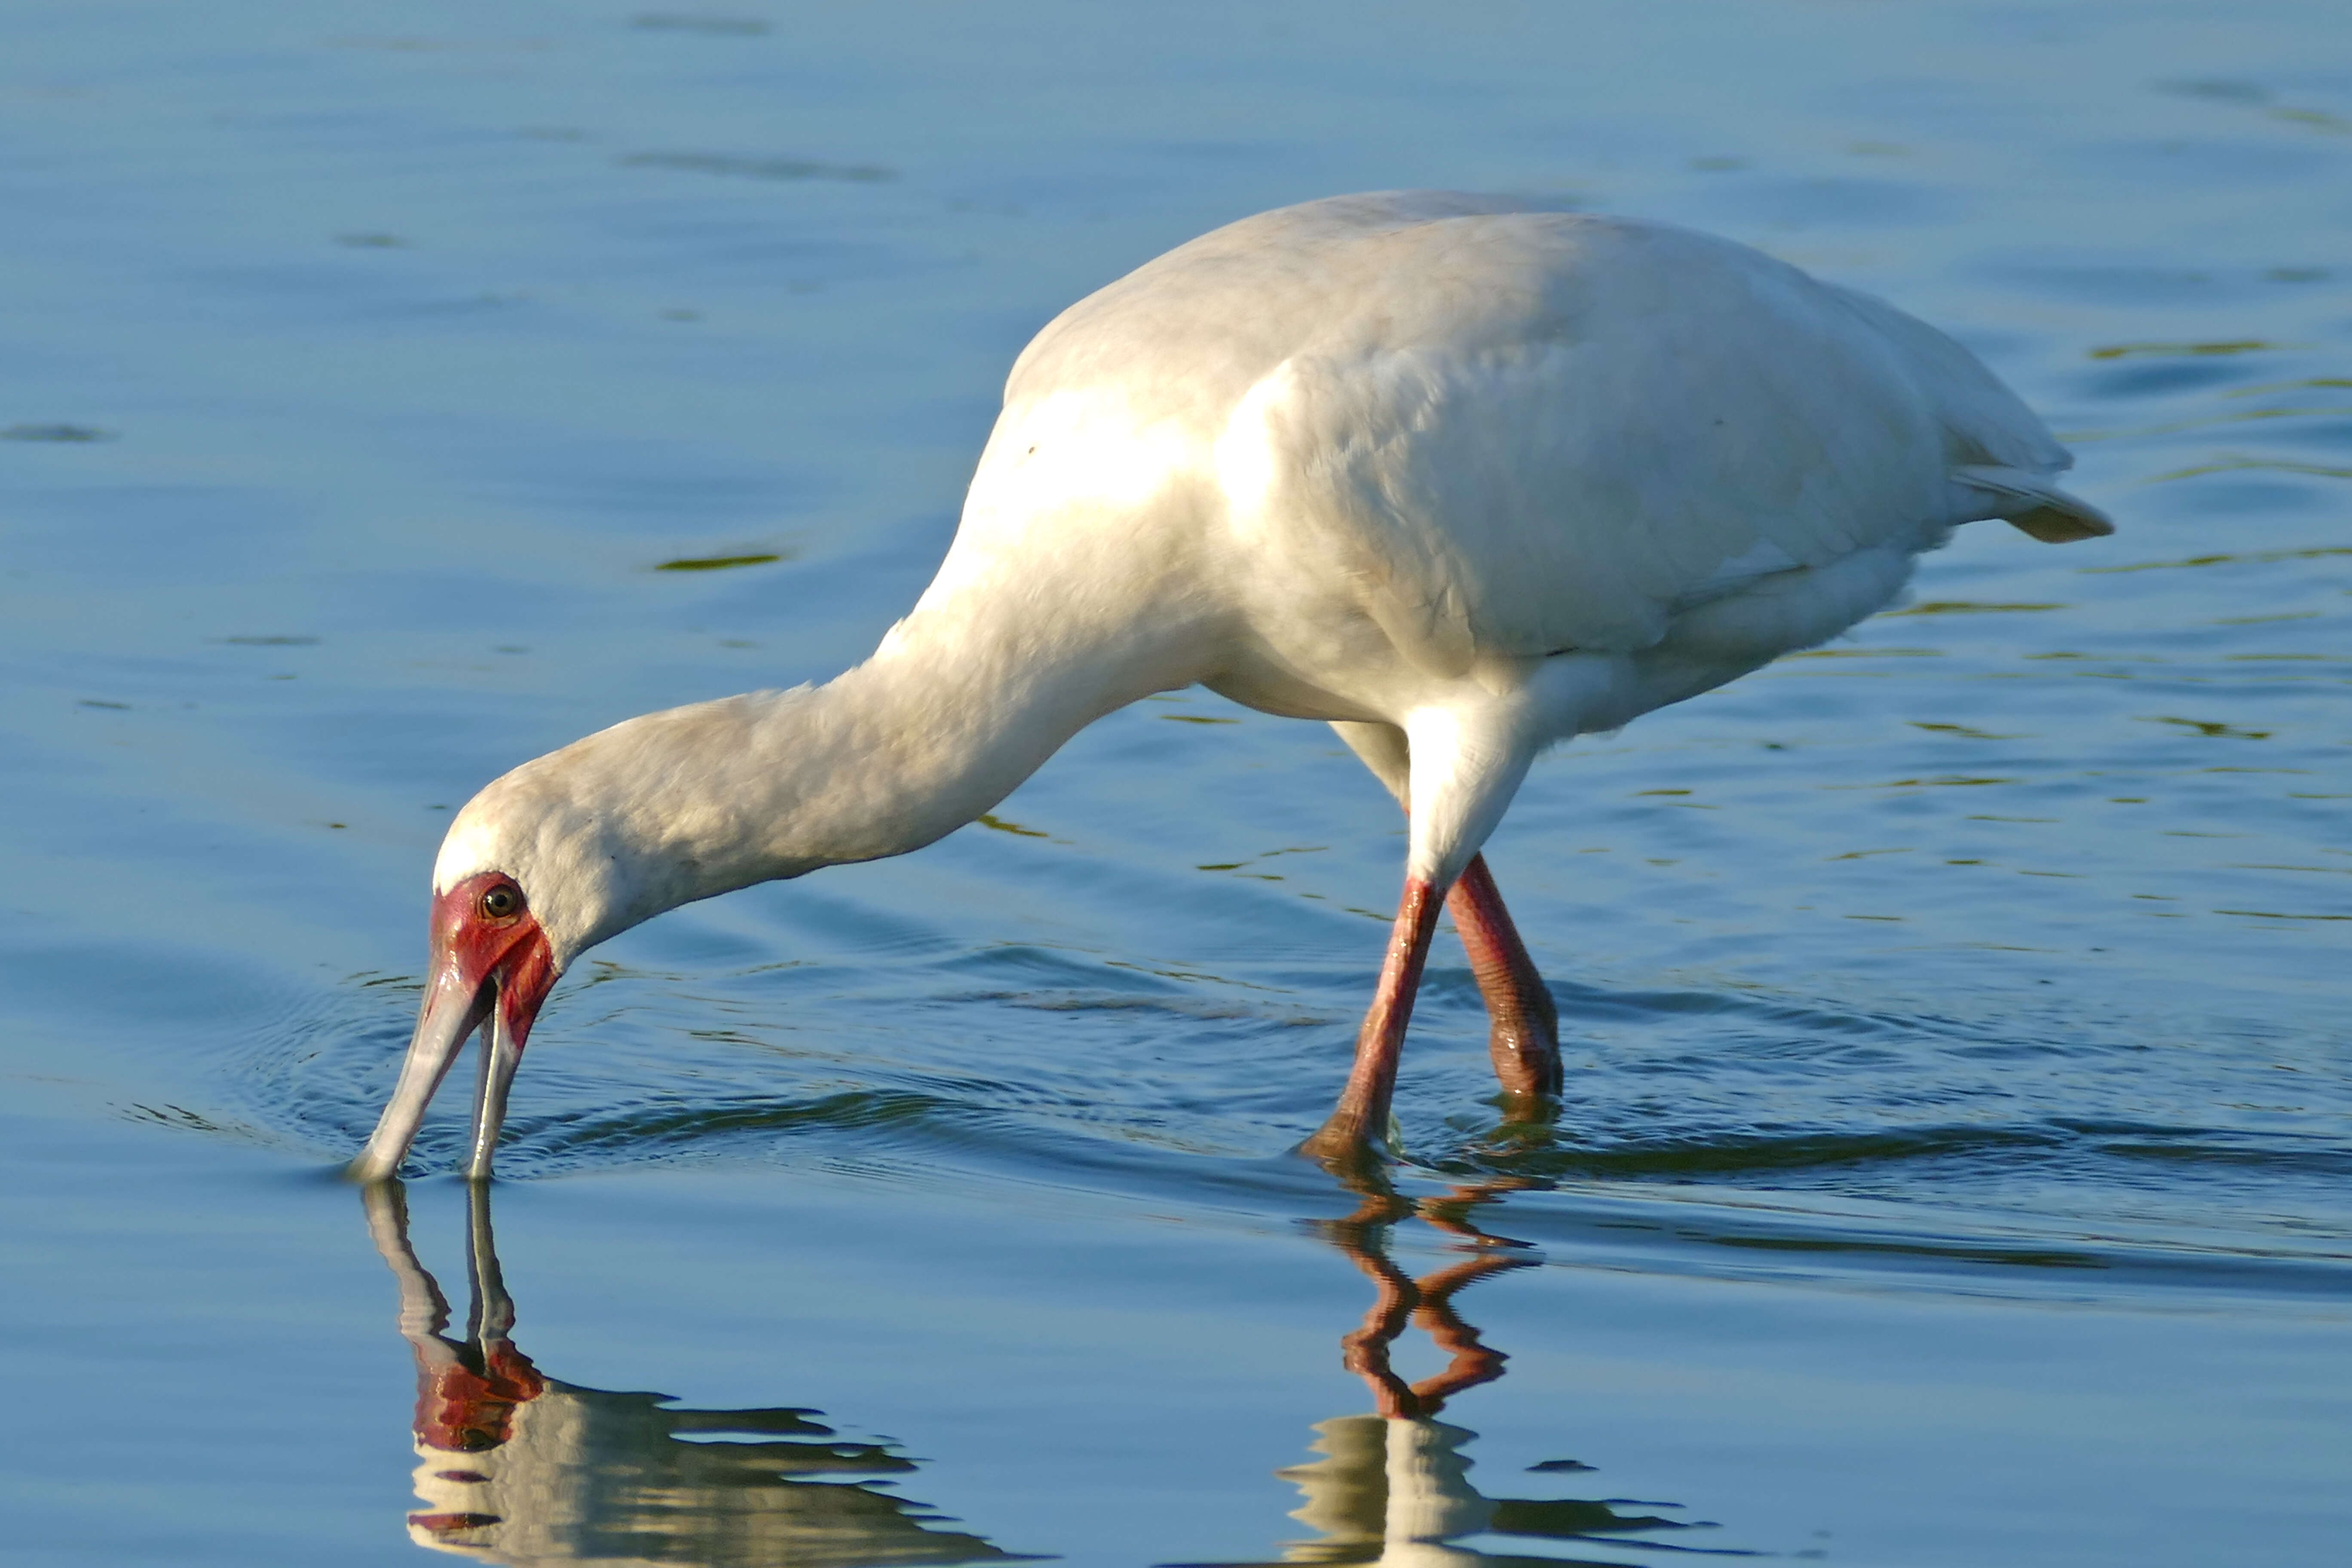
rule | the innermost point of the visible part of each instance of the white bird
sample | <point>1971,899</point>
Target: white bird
<point>1461,475</point>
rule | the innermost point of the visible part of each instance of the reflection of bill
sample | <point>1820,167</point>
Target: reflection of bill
<point>1395,1488</point>
<point>517,1467</point>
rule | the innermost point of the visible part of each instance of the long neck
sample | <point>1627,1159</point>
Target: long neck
<point>952,711</point>
<point>963,699</point>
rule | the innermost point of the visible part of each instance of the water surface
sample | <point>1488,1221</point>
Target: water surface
<point>1955,1163</point>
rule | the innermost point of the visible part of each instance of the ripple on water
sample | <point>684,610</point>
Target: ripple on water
<point>2000,951</point>
<point>2048,1127</point>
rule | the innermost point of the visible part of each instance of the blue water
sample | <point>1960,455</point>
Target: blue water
<point>1955,1163</point>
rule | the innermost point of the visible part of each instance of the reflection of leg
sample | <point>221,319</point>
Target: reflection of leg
<point>1429,1303</point>
<point>1365,1352</point>
<point>1524,1035</point>
<point>1362,1118</point>
<point>1361,1236</point>
<point>1471,1363</point>
<point>1451,1214</point>
<point>1401,1300</point>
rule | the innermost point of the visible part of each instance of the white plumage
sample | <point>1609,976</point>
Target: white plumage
<point>1461,475</point>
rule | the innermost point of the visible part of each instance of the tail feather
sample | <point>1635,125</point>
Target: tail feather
<point>2031,504</point>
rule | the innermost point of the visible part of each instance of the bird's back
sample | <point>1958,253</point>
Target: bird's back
<point>1490,428</point>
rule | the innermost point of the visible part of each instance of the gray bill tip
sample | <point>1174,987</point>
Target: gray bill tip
<point>500,1056</point>
<point>452,1009</point>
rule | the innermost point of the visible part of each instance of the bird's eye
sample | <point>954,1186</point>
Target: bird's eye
<point>502,902</point>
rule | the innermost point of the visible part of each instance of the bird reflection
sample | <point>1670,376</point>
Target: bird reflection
<point>1393,1487</point>
<point>514,1467</point>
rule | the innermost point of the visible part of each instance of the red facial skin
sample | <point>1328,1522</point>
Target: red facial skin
<point>482,946</point>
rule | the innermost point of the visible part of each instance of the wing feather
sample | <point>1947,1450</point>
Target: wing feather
<point>1625,420</point>
<point>1509,431</point>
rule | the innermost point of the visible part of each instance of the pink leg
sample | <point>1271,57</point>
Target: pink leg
<point>1362,1118</point>
<point>1525,1034</point>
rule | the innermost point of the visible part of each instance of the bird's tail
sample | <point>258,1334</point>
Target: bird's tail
<point>2031,504</point>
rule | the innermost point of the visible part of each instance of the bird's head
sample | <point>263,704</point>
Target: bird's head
<point>580,845</point>
<point>527,878</point>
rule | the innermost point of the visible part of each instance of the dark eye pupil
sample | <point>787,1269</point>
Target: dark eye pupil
<point>500,902</point>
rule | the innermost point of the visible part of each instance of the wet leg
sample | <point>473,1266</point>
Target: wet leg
<point>1362,1119</point>
<point>1524,1027</point>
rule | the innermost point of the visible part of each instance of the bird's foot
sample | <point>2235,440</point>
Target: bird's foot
<point>1526,1052</point>
<point>1346,1148</point>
